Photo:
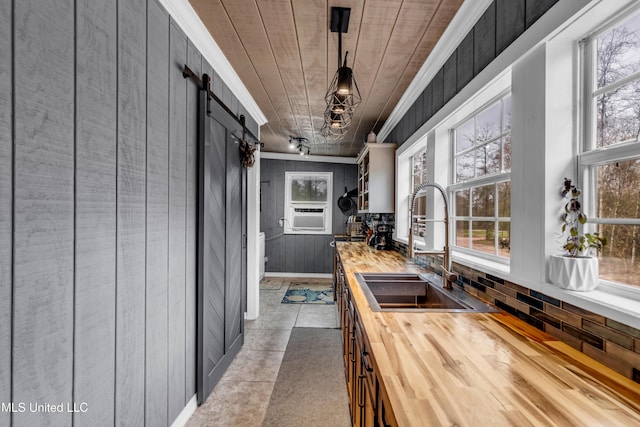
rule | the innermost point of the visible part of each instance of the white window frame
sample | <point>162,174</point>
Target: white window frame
<point>590,156</point>
<point>559,33</point>
<point>419,226</point>
<point>294,208</point>
<point>436,140</point>
<point>404,187</point>
<point>495,179</point>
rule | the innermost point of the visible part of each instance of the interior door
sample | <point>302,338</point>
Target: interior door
<point>221,244</point>
<point>233,304</point>
<point>211,254</point>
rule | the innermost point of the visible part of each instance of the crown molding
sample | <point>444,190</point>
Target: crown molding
<point>457,30</point>
<point>312,158</point>
<point>182,12</point>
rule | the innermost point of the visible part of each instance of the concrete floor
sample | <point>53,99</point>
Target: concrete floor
<point>241,397</point>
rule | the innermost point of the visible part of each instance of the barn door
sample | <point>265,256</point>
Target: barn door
<point>234,314</point>
<point>220,254</point>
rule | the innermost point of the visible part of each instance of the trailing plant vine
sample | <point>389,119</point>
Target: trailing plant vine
<point>573,219</point>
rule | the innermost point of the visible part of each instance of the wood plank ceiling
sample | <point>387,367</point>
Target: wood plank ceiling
<point>286,55</point>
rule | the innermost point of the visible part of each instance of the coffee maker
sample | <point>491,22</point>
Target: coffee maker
<point>381,238</point>
<point>354,226</point>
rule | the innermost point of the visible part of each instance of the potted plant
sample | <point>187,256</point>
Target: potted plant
<point>577,268</point>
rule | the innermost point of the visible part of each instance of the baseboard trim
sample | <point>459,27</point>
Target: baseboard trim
<point>186,413</point>
<point>310,275</point>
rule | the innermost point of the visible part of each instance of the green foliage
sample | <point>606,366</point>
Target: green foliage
<point>573,218</point>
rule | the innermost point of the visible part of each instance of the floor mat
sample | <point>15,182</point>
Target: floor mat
<point>271,283</point>
<point>309,293</point>
<point>310,389</point>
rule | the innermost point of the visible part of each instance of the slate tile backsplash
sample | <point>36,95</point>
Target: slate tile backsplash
<point>610,342</point>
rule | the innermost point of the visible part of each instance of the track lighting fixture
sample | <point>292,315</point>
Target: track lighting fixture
<point>297,143</point>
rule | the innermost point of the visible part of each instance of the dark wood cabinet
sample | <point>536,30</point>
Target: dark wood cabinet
<point>364,395</point>
<point>365,399</point>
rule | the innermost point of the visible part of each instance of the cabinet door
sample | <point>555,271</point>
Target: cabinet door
<point>385,416</point>
<point>346,326</point>
<point>368,410</point>
<point>369,388</point>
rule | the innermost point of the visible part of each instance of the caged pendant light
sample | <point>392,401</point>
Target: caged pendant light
<point>343,95</point>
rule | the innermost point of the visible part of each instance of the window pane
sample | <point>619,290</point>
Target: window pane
<point>488,159</point>
<point>618,193</point>
<point>462,202</point>
<point>504,239</point>
<point>488,123</point>
<point>506,150</point>
<point>492,153</point>
<point>419,215</point>
<point>480,161</point>
<point>465,136</point>
<point>462,234</point>
<point>488,155</point>
<point>464,167</point>
<point>618,51</point>
<point>618,261</point>
<point>308,189</point>
<point>483,239</point>
<point>504,199</point>
<point>618,115</point>
<point>506,114</point>
<point>483,201</point>
<point>419,162</point>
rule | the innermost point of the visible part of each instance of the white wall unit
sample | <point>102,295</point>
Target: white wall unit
<point>376,178</point>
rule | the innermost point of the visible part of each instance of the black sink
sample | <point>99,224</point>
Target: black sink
<point>416,292</point>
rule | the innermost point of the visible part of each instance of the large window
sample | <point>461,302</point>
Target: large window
<point>610,158</point>
<point>419,175</point>
<point>481,191</point>
<point>307,204</point>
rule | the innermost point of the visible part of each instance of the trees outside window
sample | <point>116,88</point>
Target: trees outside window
<point>481,192</point>
<point>419,176</point>
<point>611,153</point>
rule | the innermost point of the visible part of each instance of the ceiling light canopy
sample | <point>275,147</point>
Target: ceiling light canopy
<point>343,95</point>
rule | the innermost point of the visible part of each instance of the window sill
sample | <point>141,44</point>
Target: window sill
<point>616,302</point>
<point>481,264</point>
<point>608,300</point>
<point>469,260</point>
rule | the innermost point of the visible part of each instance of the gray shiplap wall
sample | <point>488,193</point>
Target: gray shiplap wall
<point>43,263</point>
<point>131,213</point>
<point>6,206</point>
<point>157,263</point>
<point>97,211</point>
<point>299,253</point>
<point>496,29</point>
<point>95,208</point>
<point>177,225</point>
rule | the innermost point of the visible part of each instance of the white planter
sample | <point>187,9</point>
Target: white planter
<point>574,274</point>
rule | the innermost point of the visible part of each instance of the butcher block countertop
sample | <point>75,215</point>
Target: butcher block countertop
<point>481,369</point>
